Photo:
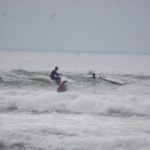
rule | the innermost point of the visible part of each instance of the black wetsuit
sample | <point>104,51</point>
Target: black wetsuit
<point>55,76</point>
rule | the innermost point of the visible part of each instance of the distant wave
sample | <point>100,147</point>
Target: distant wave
<point>23,77</point>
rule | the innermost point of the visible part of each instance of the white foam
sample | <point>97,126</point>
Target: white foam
<point>73,102</point>
<point>61,131</point>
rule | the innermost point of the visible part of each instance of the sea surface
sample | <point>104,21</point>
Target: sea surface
<point>111,112</point>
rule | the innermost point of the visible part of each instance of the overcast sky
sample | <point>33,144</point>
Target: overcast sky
<point>75,25</point>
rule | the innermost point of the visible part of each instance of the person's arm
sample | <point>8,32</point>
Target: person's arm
<point>60,74</point>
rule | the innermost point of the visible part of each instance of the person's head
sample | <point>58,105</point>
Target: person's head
<point>56,68</point>
<point>93,75</point>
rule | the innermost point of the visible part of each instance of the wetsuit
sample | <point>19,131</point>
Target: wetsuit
<point>55,76</point>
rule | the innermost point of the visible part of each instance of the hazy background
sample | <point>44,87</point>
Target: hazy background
<point>75,25</point>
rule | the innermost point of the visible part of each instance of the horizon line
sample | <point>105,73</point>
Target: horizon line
<point>74,51</point>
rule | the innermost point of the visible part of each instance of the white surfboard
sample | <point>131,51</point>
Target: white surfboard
<point>112,80</point>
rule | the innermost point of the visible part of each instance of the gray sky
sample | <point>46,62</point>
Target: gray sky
<point>75,25</point>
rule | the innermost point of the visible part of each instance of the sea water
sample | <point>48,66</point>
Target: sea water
<point>111,112</point>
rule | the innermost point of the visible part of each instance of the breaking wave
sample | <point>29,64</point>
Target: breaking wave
<point>23,77</point>
<point>71,102</point>
<point>25,91</point>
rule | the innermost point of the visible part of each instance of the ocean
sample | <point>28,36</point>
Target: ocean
<point>111,112</point>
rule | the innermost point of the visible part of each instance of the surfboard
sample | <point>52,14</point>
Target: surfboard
<point>114,81</point>
<point>62,86</point>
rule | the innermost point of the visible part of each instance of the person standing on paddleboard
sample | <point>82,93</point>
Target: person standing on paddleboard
<point>55,76</point>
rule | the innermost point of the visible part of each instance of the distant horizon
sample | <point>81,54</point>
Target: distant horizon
<point>74,51</point>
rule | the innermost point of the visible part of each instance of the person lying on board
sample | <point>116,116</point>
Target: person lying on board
<point>55,76</point>
<point>93,75</point>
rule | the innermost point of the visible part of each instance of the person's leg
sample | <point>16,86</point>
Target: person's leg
<point>55,79</point>
<point>58,80</point>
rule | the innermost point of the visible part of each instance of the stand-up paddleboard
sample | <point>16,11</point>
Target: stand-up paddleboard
<point>62,86</point>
